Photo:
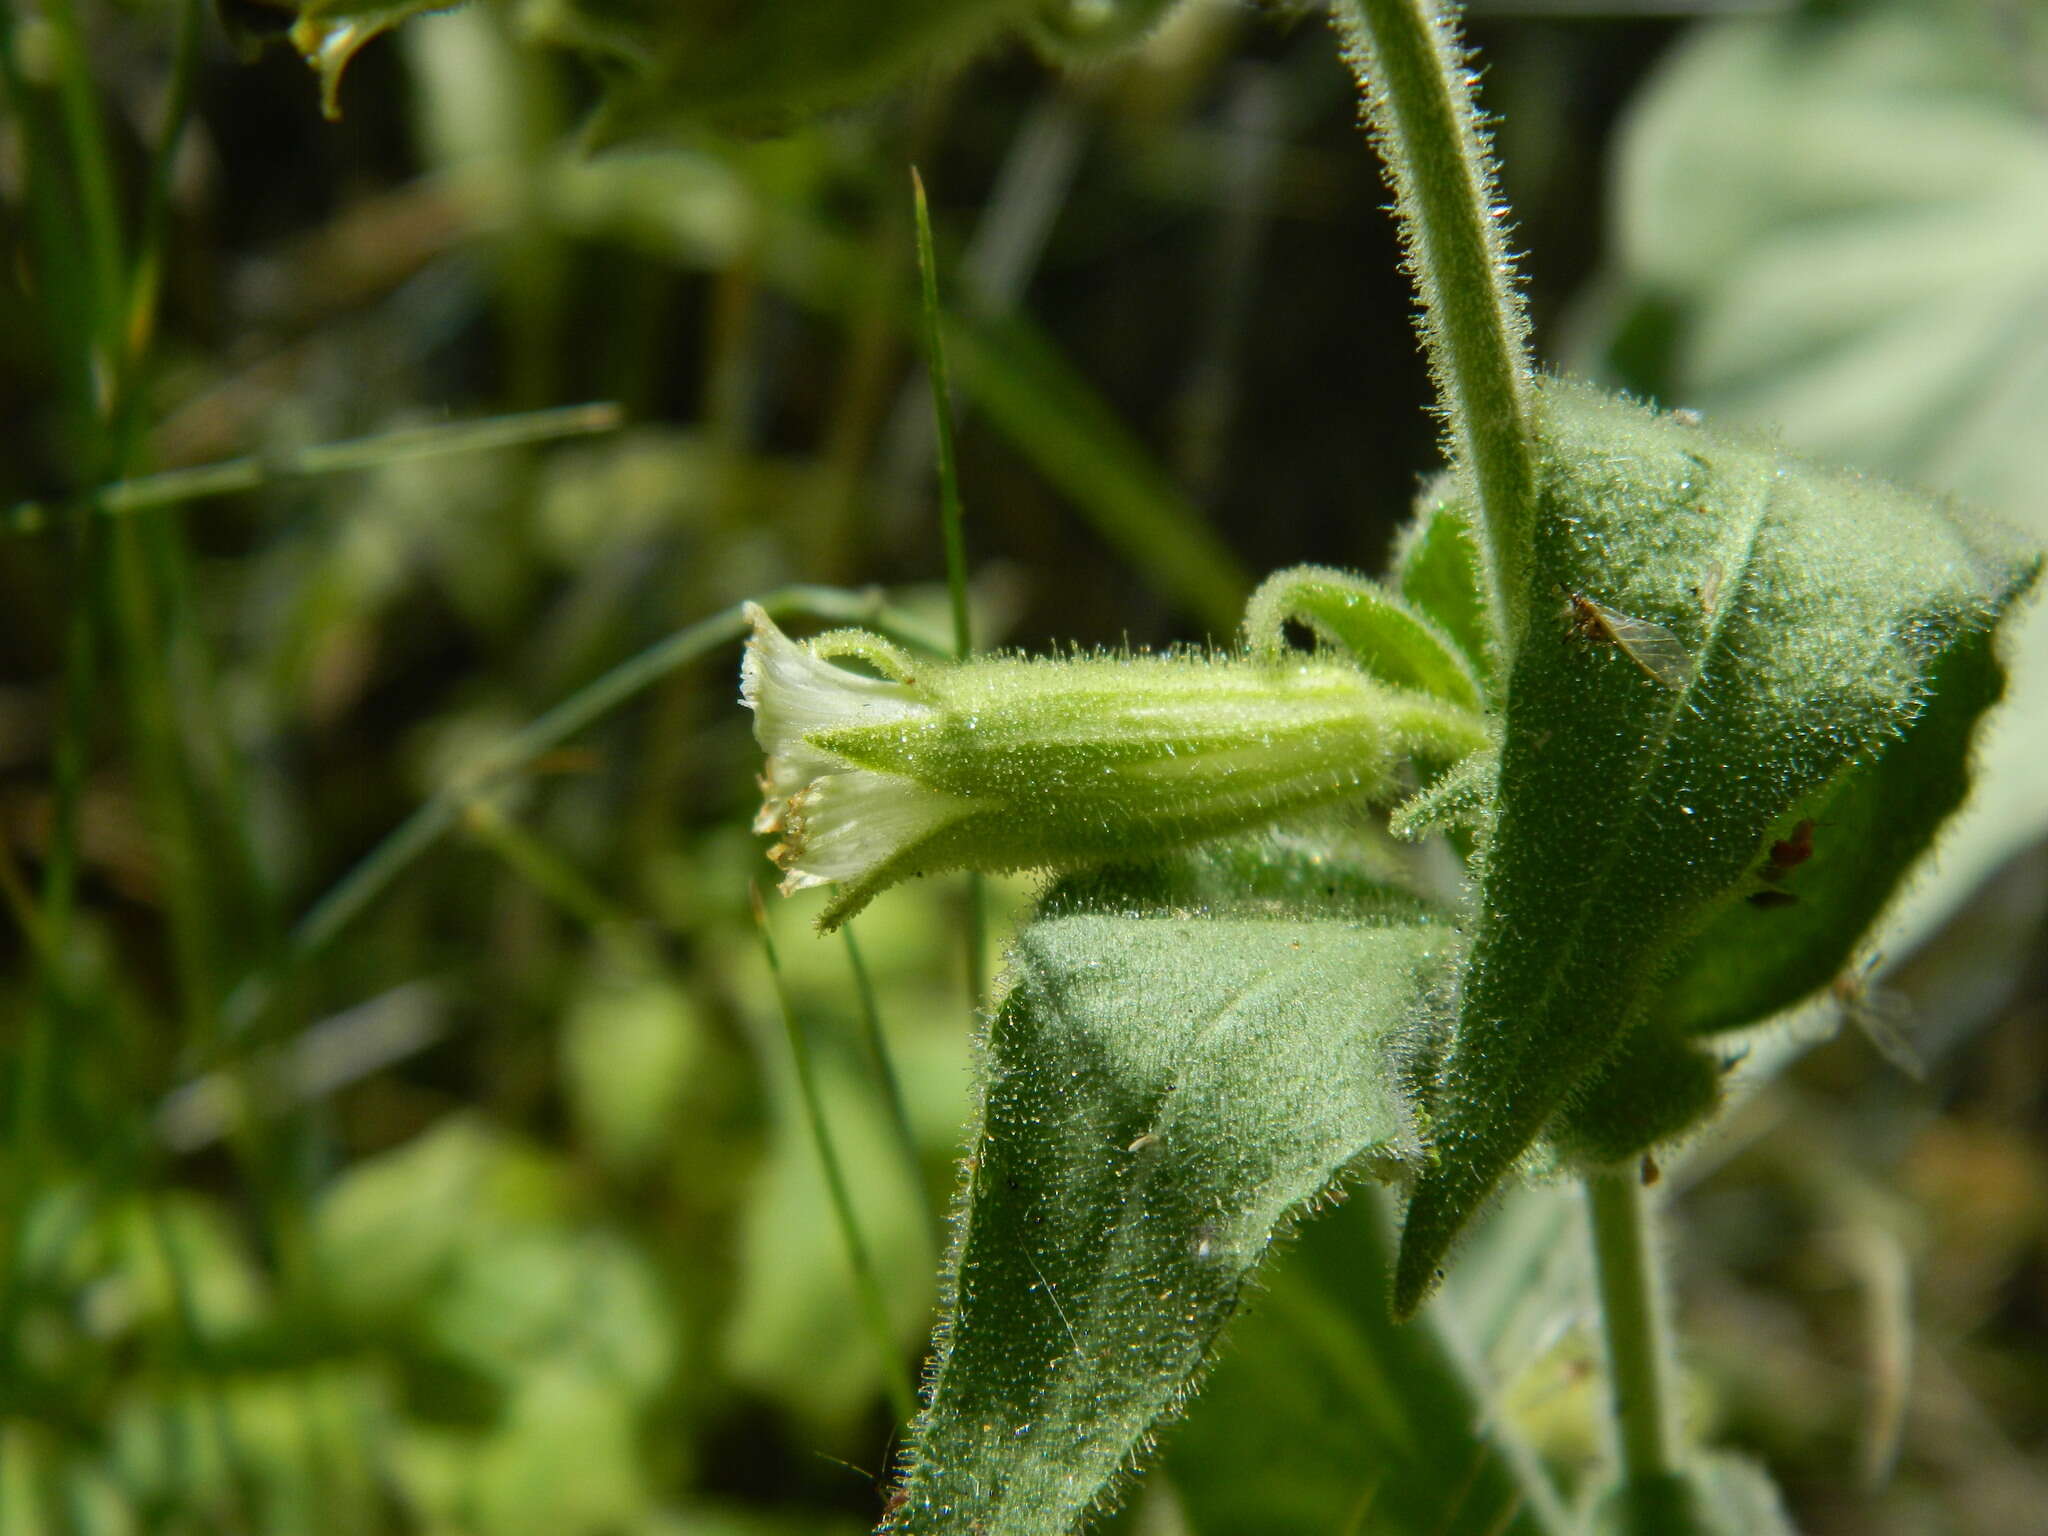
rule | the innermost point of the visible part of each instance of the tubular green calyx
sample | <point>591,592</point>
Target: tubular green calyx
<point>1006,763</point>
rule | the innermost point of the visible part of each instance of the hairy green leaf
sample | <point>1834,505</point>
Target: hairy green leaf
<point>1835,223</point>
<point>1724,633</point>
<point>1161,1091</point>
<point>671,65</point>
<point>1867,827</point>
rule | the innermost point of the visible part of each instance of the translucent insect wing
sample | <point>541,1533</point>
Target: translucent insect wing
<point>1650,646</point>
<point>1884,1016</point>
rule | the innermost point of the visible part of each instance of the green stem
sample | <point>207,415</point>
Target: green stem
<point>867,1288</point>
<point>1417,91</point>
<point>1638,1333</point>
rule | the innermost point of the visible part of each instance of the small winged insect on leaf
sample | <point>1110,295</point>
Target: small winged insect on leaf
<point>1707,590</point>
<point>1652,647</point>
<point>1881,1013</point>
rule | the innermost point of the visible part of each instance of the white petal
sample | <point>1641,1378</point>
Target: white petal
<point>793,693</point>
<point>846,824</point>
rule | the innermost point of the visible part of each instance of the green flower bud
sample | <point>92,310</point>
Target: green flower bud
<point>1003,763</point>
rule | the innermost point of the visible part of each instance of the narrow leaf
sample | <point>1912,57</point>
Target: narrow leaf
<point>1436,569</point>
<point>1383,634</point>
<point>1161,1092</point>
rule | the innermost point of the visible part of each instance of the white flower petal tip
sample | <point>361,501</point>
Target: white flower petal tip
<point>838,823</point>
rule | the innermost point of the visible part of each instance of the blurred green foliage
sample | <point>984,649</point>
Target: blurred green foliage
<point>492,1211</point>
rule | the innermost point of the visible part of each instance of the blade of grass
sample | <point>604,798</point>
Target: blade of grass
<point>191,893</point>
<point>373,874</point>
<point>950,522</point>
<point>884,1066</point>
<point>1052,416</point>
<point>92,170</point>
<point>867,1289</point>
<point>159,659</point>
<point>145,283</point>
<point>950,517</point>
<point>553,876</point>
<point>1033,396</point>
<point>172,487</point>
<point>59,278</point>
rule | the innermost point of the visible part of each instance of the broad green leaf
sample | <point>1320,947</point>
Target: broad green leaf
<point>1850,216</point>
<point>464,1244</point>
<point>565,1461</point>
<point>1161,1092</point>
<point>1815,612</point>
<point>1835,225</point>
<point>673,66</point>
<point>1753,961</point>
<point>393,1229</point>
<point>552,1297</point>
<point>1323,1409</point>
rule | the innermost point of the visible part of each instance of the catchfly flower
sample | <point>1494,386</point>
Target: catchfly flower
<point>1005,762</point>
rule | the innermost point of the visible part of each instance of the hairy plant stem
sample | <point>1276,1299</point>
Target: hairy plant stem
<point>1638,1336</point>
<point>1418,97</point>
